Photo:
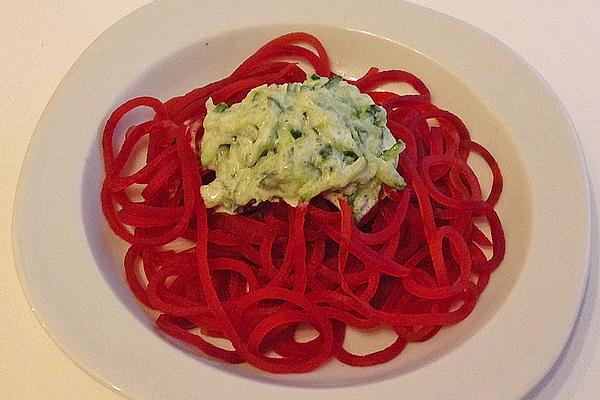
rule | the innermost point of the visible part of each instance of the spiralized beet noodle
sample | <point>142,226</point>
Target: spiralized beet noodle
<point>413,264</point>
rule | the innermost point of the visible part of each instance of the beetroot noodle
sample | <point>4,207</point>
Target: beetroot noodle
<point>418,261</point>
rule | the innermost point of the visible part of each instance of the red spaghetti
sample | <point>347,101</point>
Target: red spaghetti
<point>414,263</point>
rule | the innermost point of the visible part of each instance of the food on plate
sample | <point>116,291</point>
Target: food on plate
<point>275,203</point>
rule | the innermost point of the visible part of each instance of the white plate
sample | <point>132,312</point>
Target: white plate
<point>70,263</point>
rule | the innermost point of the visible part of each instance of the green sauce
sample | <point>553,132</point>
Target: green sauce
<point>298,140</point>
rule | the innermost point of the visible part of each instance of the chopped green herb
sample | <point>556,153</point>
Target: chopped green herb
<point>374,109</point>
<point>351,155</point>
<point>221,107</point>
<point>326,151</point>
<point>224,150</point>
<point>296,133</point>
